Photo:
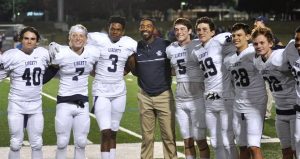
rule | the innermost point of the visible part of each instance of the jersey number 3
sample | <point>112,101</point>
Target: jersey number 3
<point>114,60</point>
<point>36,76</point>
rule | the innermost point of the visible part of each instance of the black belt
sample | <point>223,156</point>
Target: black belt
<point>285,112</point>
<point>76,99</point>
<point>297,108</point>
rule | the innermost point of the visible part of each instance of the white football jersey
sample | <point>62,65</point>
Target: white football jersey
<point>111,64</point>
<point>74,69</point>
<point>278,75</point>
<point>292,56</point>
<point>186,69</point>
<point>189,76</point>
<point>25,72</point>
<point>248,83</point>
<point>211,58</point>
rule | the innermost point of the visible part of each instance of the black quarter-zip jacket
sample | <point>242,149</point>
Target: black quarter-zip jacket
<point>153,67</point>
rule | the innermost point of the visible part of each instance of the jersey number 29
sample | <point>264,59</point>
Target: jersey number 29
<point>208,67</point>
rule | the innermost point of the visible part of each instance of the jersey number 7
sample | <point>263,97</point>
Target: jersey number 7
<point>80,70</point>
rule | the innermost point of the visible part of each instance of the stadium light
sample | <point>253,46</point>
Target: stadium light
<point>182,4</point>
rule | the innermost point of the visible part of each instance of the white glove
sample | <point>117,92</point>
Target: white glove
<point>53,50</point>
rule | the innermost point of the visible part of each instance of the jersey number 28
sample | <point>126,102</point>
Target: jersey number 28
<point>241,77</point>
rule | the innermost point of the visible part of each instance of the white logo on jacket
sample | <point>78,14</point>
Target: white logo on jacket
<point>159,53</point>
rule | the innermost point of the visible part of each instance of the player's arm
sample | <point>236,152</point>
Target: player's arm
<point>52,69</point>
<point>130,65</point>
<point>50,72</point>
<point>173,72</point>
<point>93,72</point>
<point>3,73</point>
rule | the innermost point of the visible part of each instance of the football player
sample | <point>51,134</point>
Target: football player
<point>292,53</point>
<point>190,109</point>
<point>218,94</point>
<point>109,88</point>
<point>25,67</point>
<point>75,62</point>
<point>276,72</point>
<point>250,93</point>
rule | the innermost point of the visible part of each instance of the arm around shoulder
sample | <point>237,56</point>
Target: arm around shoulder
<point>130,65</point>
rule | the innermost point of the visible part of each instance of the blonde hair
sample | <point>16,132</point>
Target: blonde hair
<point>78,28</point>
<point>265,31</point>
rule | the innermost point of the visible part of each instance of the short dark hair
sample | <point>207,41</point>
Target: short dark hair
<point>149,19</point>
<point>208,21</point>
<point>243,26</point>
<point>117,19</point>
<point>30,29</point>
<point>184,21</point>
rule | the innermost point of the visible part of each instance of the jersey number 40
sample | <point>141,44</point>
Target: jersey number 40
<point>35,79</point>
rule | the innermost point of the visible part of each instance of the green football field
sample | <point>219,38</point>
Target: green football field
<point>130,125</point>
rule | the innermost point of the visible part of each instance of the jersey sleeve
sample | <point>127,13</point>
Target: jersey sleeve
<point>131,44</point>
<point>250,52</point>
<point>168,51</point>
<point>95,52</point>
<point>96,39</point>
<point>6,62</point>
<point>193,53</point>
<point>290,53</point>
<point>59,53</point>
<point>279,59</point>
<point>3,73</point>
<point>45,55</point>
<point>225,40</point>
<point>54,51</point>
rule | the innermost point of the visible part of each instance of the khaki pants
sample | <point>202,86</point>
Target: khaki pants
<point>162,108</point>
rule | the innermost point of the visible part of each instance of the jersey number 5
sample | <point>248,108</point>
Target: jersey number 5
<point>181,68</point>
<point>36,76</point>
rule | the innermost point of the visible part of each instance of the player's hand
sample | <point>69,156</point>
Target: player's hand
<point>53,50</point>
